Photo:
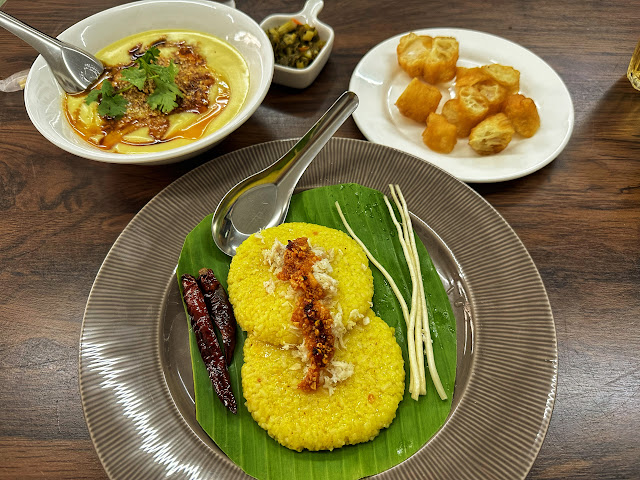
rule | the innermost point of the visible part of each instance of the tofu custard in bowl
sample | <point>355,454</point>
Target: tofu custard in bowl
<point>181,75</point>
<point>161,89</point>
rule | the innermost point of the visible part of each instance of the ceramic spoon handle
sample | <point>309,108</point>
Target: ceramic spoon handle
<point>44,44</point>
<point>296,161</point>
<point>73,68</point>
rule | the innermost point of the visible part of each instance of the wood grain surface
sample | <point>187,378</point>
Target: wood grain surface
<point>579,217</point>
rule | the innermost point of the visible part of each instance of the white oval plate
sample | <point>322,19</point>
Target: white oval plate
<point>378,81</point>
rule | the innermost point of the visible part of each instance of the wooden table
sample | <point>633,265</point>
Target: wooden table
<point>579,217</point>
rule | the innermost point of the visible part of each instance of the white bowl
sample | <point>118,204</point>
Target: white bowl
<point>302,77</point>
<point>43,95</point>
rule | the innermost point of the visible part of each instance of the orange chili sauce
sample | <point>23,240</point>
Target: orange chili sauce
<point>309,315</point>
<point>193,131</point>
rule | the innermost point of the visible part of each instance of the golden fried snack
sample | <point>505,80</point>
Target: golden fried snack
<point>466,110</point>
<point>451,111</point>
<point>412,52</point>
<point>440,65</point>
<point>492,135</point>
<point>506,76</point>
<point>495,94</point>
<point>440,135</point>
<point>523,114</point>
<point>418,100</point>
<point>468,77</point>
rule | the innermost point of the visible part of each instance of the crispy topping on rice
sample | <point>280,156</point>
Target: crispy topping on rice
<point>308,271</point>
<point>310,316</point>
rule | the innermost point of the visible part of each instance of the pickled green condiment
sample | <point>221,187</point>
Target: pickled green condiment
<point>295,45</point>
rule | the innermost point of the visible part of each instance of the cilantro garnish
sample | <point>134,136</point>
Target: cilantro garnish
<point>111,103</point>
<point>165,92</point>
<point>151,55</point>
<point>135,76</point>
<point>163,97</point>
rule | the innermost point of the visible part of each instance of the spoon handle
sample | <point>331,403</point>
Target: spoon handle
<point>44,44</point>
<point>73,68</point>
<point>293,164</point>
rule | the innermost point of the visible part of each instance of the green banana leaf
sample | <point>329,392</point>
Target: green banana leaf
<point>248,445</point>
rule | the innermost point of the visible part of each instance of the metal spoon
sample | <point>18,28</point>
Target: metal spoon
<point>262,200</point>
<point>74,68</point>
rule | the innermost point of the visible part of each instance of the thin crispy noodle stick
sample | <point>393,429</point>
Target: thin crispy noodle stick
<point>418,291</point>
<point>413,354</point>
<point>426,330</point>
<point>412,316</point>
<point>424,322</point>
<point>399,229</point>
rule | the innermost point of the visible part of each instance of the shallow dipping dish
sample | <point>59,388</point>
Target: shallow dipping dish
<point>44,97</point>
<point>302,77</point>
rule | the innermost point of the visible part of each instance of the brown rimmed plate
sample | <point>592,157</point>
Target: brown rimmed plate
<point>135,371</point>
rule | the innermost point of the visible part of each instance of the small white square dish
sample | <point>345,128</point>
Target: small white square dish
<point>302,77</point>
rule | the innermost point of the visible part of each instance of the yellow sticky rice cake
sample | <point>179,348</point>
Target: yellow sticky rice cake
<point>358,392</point>
<point>357,409</point>
<point>263,305</point>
